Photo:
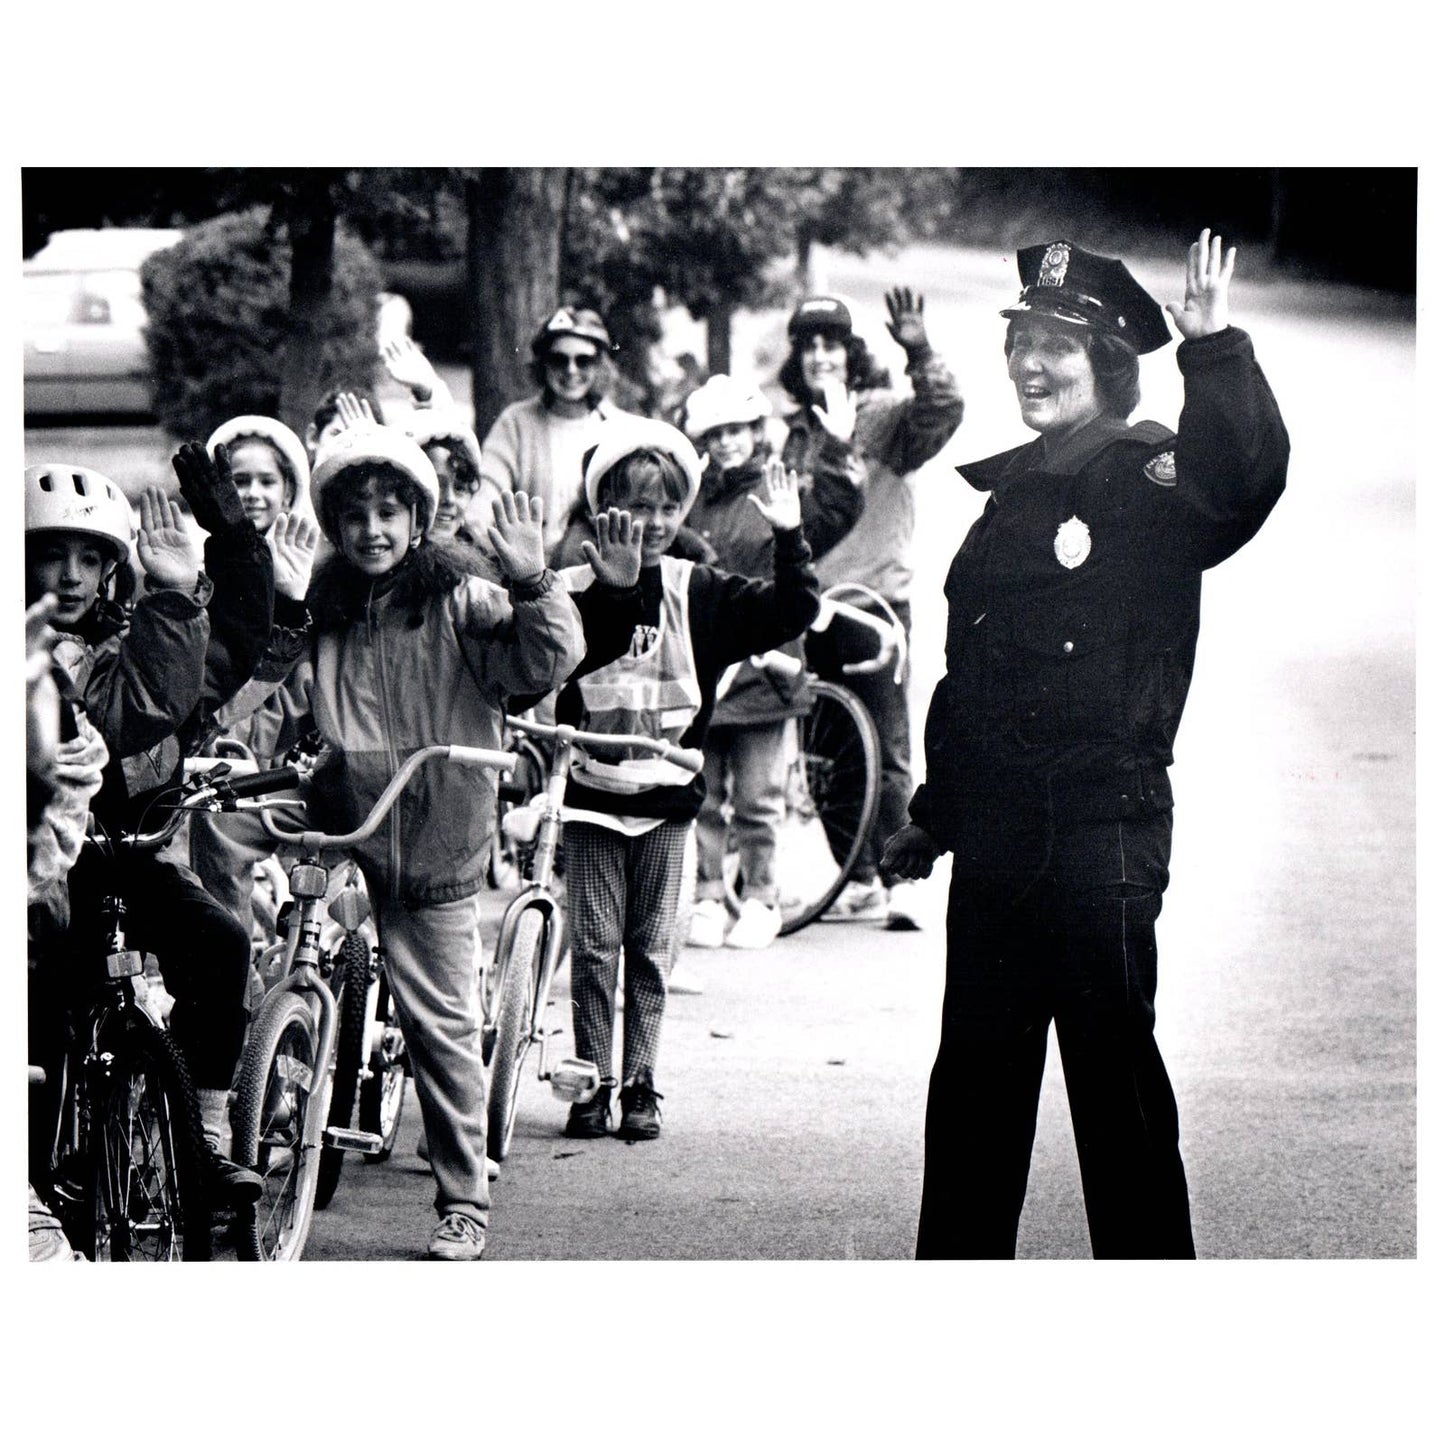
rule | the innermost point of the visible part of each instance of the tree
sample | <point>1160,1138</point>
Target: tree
<point>514,245</point>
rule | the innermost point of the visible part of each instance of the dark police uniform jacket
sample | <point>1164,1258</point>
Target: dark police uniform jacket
<point>1074,611</point>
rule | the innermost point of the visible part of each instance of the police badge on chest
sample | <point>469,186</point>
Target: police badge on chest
<point>1072,542</point>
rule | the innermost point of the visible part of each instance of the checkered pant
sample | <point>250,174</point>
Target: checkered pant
<point>622,898</point>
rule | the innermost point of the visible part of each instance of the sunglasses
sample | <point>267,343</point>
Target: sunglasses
<point>565,361</point>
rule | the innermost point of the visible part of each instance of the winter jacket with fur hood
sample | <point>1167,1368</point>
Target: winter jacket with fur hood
<point>429,654</point>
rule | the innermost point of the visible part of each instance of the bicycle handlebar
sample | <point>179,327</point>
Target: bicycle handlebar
<point>689,759</point>
<point>314,841</point>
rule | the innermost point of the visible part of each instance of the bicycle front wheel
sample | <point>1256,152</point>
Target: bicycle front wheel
<point>351,980</point>
<point>514,1030</point>
<point>281,1080</point>
<point>148,1150</point>
<point>832,803</point>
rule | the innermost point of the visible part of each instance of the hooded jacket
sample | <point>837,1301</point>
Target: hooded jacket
<point>429,654</point>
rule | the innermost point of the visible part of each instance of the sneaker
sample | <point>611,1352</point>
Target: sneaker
<point>593,1119</point>
<point>423,1151</point>
<point>683,980</point>
<point>457,1237</point>
<point>903,909</point>
<point>859,903</point>
<point>757,925</point>
<point>709,924</point>
<point>229,1183</point>
<point>641,1118</point>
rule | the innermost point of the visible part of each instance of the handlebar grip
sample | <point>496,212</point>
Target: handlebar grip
<point>690,758</point>
<point>499,762</point>
<point>274,780</point>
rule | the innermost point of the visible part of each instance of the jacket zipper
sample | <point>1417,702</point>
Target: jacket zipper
<point>393,831</point>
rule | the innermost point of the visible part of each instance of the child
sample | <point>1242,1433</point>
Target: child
<point>148,677</point>
<point>270,471</point>
<point>672,627</point>
<point>746,746</point>
<point>410,650</point>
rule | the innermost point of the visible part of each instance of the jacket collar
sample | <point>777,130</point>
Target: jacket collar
<point>1070,456</point>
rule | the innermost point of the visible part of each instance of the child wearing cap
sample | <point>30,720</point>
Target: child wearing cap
<point>149,674</point>
<point>412,648</point>
<point>746,751</point>
<point>659,632</point>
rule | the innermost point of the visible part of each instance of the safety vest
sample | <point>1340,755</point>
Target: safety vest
<point>651,689</point>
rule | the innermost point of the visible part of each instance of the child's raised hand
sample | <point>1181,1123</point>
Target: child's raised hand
<point>779,502</point>
<point>292,540</point>
<point>616,559</point>
<point>838,415</point>
<point>208,489</point>
<point>166,548</point>
<point>352,410</point>
<point>408,366</point>
<point>516,536</point>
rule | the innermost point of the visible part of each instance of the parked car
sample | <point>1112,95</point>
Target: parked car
<point>83,322</point>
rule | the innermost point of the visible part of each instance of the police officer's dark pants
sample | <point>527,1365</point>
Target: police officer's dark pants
<point>1075,946</point>
<point>887,704</point>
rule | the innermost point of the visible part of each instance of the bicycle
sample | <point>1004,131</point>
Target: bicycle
<point>126,1152</point>
<point>834,773</point>
<point>517,988</point>
<point>281,1118</point>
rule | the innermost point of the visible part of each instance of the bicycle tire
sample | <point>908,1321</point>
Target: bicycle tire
<point>268,1127</point>
<point>841,777</point>
<point>514,1031</point>
<point>349,981</point>
<point>383,1094</point>
<point>147,1195</point>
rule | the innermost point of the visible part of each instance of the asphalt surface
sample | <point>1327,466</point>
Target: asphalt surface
<point>795,1082</point>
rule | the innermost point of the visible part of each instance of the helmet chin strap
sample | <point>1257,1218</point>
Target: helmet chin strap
<point>415,528</point>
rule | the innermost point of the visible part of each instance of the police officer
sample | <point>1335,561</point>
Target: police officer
<point>1073,616</point>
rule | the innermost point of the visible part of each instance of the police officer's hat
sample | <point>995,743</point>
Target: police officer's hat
<point>1065,281</point>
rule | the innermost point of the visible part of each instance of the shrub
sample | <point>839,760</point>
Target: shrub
<point>217,307</point>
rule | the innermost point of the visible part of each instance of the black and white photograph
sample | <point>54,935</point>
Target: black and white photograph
<point>695,723</point>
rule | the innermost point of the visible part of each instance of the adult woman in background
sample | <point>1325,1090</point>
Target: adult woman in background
<point>1073,615</point>
<point>892,436</point>
<point>536,445</point>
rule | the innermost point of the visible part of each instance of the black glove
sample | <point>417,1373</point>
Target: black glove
<point>208,489</point>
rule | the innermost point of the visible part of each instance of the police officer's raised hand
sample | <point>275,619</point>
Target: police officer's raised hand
<point>779,502</point>
<point>905,319</point>
<point>616,557</point>
<point>837,415</point>
<point>292,540</point>
<point>516,536</point>
<point>1206,289</point>
<point>910,853</point>
<point>165,545</point>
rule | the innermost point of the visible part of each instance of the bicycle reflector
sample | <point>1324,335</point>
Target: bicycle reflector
<point>350,908</point>
<point>575,1080</point>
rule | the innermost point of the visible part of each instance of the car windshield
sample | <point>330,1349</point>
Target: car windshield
<point>81,298</point>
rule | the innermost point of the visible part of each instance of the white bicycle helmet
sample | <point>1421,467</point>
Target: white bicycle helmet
<point>723,400</point>
<point>64,498</point>
<point>624,434</point>
<point>280,436</point>
<point>371,443</point>
<point>443,426</point>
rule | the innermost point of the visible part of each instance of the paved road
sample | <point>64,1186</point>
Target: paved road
<point>795,1082</point>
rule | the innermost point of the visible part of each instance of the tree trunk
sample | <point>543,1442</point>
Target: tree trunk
<point>720,337</point>
<point>309,203</point>
<point>514,250</point>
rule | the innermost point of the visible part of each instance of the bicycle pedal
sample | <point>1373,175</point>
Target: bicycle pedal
<point>354,1141</point>
<point>575,1080</point>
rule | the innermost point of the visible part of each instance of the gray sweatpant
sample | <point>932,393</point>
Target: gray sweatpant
<point>431,962</point>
